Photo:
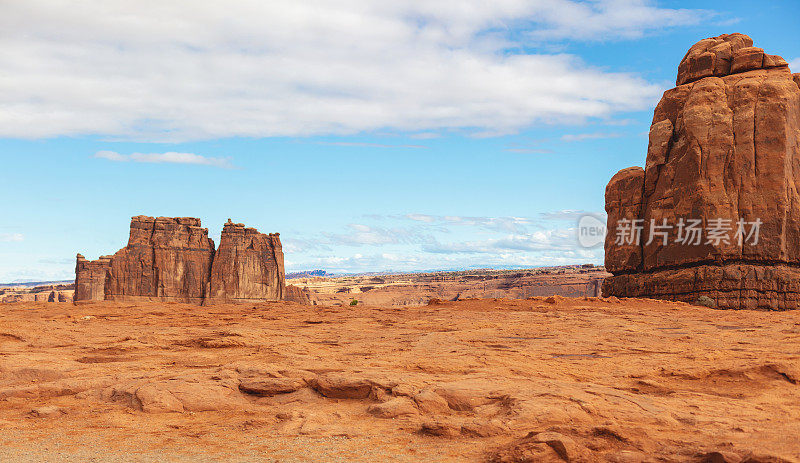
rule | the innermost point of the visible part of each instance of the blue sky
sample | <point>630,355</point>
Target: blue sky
<point>374,136</point>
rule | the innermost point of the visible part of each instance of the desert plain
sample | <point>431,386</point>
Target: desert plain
<point>495,380</point>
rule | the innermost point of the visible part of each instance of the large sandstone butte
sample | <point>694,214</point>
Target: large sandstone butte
<point>724,144</point>
<point>248,266</point>
<point>173,259</point>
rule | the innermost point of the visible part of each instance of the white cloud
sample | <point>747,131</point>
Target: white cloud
<point>11,237</point>
<point>589,136</point>
<point>548,240</point>
<point>570,215</point>
<point>168,157</point>
<point>360,235</point>
<point>184,70</point>
<point>506,224</point>
<point>371,145</point>
<point>384,262</point>
<point>610,19</point>
<point>794,65</point>
<point>427,242</point>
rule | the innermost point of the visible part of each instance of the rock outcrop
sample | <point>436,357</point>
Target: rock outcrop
<point>173,259</point>
<point>248,266</point>
<point>167,258</point>
<point>90,278</point>
<point>724,159</point>
<point>297,294</point>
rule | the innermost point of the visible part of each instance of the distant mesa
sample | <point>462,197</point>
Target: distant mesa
<point>173,259</point>
<point>724,152</point>
<point>307,274</point>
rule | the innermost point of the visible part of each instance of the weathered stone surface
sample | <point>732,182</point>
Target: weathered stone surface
<point>734,285</point>
<point>167,258</point>
<point>392,408</point>
<point>623,202</point>
<point>90,278</point>
<point>268,387</point>
<point>248,266</point>
<point>711,57</point>
<point>724,145</point>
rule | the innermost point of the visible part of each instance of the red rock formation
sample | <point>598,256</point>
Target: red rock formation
<point>724,144</point>
<point>248,266</point>
<point>170,259</point>
<point>167,258</point>
<point>297,294</point>
<point>90,278</point>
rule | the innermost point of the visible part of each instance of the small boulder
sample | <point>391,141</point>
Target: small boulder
<point>48,411</point>
<point>341,386</point>
<point>466,395</point>
<point>399,406</point>
<point>153,399</point>
<point>431,402</point>
<point>439,428</point>
<point>268,387</point>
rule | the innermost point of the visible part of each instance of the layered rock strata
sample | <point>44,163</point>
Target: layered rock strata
<point>724,152</point>
<point>90,278</point>
<point>167,259</point>
<point>173,259</point>
<point>248,266</point>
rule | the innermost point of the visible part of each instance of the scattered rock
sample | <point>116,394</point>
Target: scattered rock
<point>47,411</point>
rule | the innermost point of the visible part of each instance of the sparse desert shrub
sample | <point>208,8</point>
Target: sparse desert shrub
<point>353,302</point>
<point>706,301</point>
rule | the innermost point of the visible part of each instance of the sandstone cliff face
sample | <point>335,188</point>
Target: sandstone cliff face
<point>167,258</point>
<point>90,278</point>
<point>248,266</point>
<point>724,145</point>
<point>173,259</point>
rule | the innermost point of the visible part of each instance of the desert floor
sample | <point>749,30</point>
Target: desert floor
<point>474,380</point>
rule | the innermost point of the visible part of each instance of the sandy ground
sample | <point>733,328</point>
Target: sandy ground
<point>475,380</point>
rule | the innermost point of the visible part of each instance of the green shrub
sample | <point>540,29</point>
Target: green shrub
<point>706,301</point>
<point>354,302</point>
